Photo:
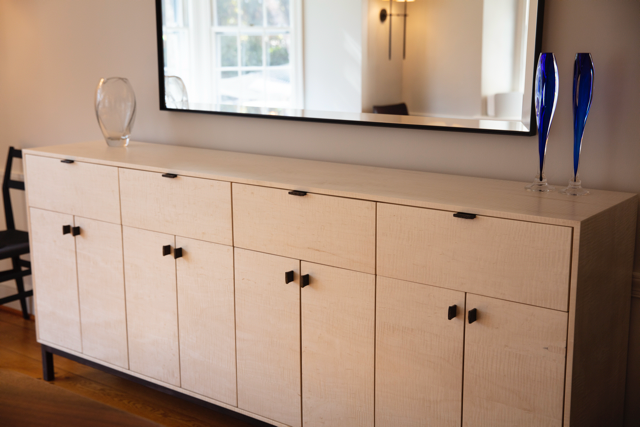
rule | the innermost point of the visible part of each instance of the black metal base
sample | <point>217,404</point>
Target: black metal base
<point>48,375</point>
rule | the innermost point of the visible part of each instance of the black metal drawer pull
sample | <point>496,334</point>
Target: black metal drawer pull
<point>473,315</point>
<point>166,250</point>
<point>75,231</point>
<point>464,215</point>
<point>66,161</point>
<point>66,229</point>
<point>169,175</point>
<point>177,253</point>
<point>304,281</point>
<point>288,277</point>
<point>298,193</point>
<point>453,312</point>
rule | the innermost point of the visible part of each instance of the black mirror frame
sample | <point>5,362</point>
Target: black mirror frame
<point>532,131</point>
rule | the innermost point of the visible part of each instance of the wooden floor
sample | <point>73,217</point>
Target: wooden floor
<point>20,352</point>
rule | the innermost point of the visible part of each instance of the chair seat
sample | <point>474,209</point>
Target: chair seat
<point>13,243</point>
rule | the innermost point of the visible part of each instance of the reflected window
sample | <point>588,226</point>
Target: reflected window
<point>234,52</point>
<point>254,51</point>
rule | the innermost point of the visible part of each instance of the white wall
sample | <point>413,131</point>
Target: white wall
<point>333,59</point>
<point>53,52</point>
<point>442,71</point>
<point>382,78</point>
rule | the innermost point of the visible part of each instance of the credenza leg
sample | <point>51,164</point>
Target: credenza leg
<point>47,365</point>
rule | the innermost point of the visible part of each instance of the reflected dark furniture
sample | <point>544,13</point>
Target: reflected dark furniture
<point>14,243</point>
<point>396,109</point>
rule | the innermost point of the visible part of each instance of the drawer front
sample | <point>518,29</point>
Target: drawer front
<point>323,229</point>
<point>184,206</point>
<point>77,188</point>
<point>512,260</point>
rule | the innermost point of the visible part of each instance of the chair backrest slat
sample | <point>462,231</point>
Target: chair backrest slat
<point>8,183</point>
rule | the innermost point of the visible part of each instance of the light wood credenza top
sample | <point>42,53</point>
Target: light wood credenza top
<point>482,196</point>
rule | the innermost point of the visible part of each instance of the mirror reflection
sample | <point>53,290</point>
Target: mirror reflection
<point>461,63</point>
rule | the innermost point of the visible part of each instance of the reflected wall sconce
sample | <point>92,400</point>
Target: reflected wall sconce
<point>390,15</point>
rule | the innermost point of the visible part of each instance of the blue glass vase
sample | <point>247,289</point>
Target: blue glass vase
<point>582,95</point>
<point>546,99</point>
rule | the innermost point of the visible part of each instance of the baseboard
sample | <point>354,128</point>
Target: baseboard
<point>635,286</point>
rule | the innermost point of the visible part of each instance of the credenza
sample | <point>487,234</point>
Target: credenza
<point>307,293</point>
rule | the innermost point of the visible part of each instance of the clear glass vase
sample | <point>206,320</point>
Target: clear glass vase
<point>115,110</point>
<point>546,99</point>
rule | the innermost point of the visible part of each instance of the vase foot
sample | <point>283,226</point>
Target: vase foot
<point>540,186</point>
<point>117,142</point>
<point>575,189</point>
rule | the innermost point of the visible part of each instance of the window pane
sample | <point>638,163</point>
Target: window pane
<point>253,84</point>
<point>251,51</point>
<point>277,13</point>
<point>252,13</point>
<point>279,88</point>
<point>227,12</point>
<point>230,88</point>
<point>278,50</point>
<point>228,51</point>
<point>173,11</point>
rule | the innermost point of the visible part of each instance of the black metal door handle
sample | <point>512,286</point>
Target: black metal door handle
<point>288,277</point>
<point>169,175</point>
<point>177,253</point>
<point>453,312</point>
<point>66,161</point>
<point>66,229</point>
<point>166,250</point>
<point>473,315</point>
<point>464,215</point>
<point>304,281</point>
<point>298,193</point>
<point>75,231</point>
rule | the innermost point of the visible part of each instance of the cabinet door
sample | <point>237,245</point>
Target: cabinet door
<point>268,336</point>
<point>418,354</point>
<point>152,306</point>
<point>56,282</point>
<point>514,363</point>
<point>338,326</point>
<point>101,288</point>
<point>206,319</point>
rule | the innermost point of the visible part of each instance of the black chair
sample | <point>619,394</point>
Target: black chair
<point>14,243</point>
<point>397,109</point>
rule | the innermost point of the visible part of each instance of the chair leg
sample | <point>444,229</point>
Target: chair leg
<point>20,285</point>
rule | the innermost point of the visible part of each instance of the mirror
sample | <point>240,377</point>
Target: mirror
<point>464,65</point>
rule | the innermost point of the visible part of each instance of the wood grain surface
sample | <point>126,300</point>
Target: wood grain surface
<point>206,319</point>
<point>25,401</point>
<point>490,197</point>
<point>328,230</point>
<point>599,318</point>
<point>419,354</point>
<point>512,260</point>
<point>80,188</point>
<point>338,345</point>
<point>268,336</point>
<point>152,305</point>
<point>19,352</point>
<point>514,365</point>
<point>189,207</point>
<point>55,280</point>
<point>101,290</point>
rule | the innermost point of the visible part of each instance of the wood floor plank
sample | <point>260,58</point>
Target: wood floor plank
<point>26,401</point>
<point>20,352</point>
